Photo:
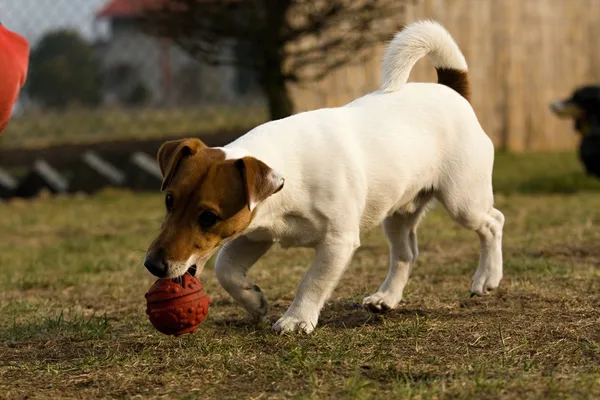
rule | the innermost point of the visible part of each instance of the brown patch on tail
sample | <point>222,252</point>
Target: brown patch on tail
<point>455,79</point>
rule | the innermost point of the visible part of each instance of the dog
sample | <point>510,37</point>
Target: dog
<point>320,178</point>
<point>584,108</point>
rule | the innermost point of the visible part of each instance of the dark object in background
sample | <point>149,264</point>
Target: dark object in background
<point>584,108</point>
<point>8,184</point>
<point>90,174</point>
<point>143,173</point>
<point>41,176</point>
<point>589,153</point>
<point>93,173</point>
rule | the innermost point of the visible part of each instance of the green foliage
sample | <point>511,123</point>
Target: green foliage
<point>64,71</point>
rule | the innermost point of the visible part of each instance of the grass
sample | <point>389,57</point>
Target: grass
<point>39,129</point>
<point>536,173</point>
<point>72,321</point>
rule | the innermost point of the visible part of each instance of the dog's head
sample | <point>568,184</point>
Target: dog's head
<point>583,107</point>
<point>209,199</point>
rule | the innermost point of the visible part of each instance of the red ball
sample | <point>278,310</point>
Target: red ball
<point>178,306</point>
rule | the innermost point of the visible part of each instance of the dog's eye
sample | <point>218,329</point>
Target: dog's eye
<point>169,202</point>
<point>207,219</point>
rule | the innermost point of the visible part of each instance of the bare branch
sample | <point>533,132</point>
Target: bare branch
<point>353,53</point>
<point>282,40</point>
<point>338,12</point>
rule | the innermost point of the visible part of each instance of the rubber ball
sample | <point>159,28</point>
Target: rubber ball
<point>177,306</point>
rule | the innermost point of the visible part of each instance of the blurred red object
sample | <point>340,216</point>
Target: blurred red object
<point>177,307</point>
<point>14,61</point>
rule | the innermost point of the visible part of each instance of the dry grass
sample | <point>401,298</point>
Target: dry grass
<point>72,322</point>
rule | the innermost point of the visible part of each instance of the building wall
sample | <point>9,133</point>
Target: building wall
<point>522,55</point>
<point>171,75</point>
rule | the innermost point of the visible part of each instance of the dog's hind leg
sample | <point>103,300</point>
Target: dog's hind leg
<point>474,210</point>
<point>231,266</point>
<point>401,232</point>
<point>489,272</point>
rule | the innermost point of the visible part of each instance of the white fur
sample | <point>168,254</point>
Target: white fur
<point>423,38</point>
<point>176,269</point>
<point>380,159</point>
<point>233,153</point>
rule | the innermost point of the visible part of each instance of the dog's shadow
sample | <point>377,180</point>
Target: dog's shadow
<point>335,315</point>
<point>349,315</point>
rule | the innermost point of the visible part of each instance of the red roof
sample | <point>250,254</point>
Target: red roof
<point>126,8</point>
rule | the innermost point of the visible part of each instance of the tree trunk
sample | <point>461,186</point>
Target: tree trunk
<point>278,97</point>
<point>272,49</point>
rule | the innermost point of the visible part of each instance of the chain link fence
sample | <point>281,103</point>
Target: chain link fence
<point>96,76</point>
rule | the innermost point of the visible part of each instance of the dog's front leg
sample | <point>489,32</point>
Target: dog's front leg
<point>318,283</point>
<point>231,266</point>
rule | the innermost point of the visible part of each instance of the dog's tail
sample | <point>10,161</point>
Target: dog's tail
<point>419,39</point>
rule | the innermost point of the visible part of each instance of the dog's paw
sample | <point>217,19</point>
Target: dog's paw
<point>256,304</point>
<point>289,324</point>
<point>252,299</point>
<point>379,303</point>
<point>485,282</point>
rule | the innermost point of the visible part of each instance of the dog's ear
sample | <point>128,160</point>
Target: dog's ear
<point>259,179</point>
<point>171,154</point>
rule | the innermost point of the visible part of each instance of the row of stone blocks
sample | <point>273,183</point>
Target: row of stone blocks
<point>92,173</point>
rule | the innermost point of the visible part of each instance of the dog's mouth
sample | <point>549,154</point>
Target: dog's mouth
<point>191,270</point>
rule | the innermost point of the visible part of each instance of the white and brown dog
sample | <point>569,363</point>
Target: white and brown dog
<point>320,178</point>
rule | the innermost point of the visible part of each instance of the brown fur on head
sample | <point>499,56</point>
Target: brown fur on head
<point>209,199</point>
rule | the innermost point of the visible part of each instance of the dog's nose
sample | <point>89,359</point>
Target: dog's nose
<point>156,264</point>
